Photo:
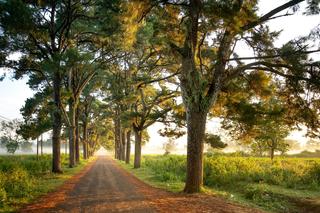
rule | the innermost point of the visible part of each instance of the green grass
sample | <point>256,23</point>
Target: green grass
<point>148,176</point>
<point>23,179</point>
<point>255,182</point>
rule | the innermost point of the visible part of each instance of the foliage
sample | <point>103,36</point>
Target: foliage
<point>307,154</point>
<point>221,171</point>
<point>24,178</point>
<point>11,146</point>
<point>26,146</point>
<point>169,146</point>
<point>9,137</point>
<point>263,124</point>
<point>214,141</point>
<point>168,167</point>
<point>251,180</point>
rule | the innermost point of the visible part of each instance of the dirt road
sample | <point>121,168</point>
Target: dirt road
<point>105,187</point>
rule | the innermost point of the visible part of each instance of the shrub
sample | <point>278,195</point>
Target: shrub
<point>18,183</point>
<point>167,168</point>
<point>256,192</point>
<point>3,194</point>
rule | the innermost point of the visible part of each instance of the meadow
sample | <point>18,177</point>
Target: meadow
<point>284,185</point>
<point>23,178</point>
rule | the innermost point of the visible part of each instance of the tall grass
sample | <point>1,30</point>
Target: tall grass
<point>224,171</point>
<point>23,178</point>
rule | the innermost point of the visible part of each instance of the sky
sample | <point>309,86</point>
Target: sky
<point>14,93</point>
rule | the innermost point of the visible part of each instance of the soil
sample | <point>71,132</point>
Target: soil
<point>105,187</point>
<point>307,205</point>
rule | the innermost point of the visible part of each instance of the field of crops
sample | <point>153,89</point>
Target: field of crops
<point>278,186</point>
<point>23,178</point>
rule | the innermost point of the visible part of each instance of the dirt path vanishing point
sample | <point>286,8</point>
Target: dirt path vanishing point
<point>105,187</point>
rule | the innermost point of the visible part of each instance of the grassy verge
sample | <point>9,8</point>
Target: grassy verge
<point>24,178</point>
<point>286,185</point>
<point>148,176</point>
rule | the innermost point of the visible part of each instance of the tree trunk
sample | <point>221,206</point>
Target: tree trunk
<point>196,123</point>
<point>77,136</point>
<point>128,147</point>
<point>117,130</point>
<point>271,153</point>
<point>84,141</point>
<point>41,144</point>
<point>272,146</point>
<point>57,124</point>
<point>37,148</point>
<point>123,145</point>
<point>72,134</point>
<point>137,148</point>
<point>120,147</point>
<point>66,147</point>
<point>88,149</point>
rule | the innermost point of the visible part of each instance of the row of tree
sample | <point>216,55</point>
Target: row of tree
<point>105,69</point>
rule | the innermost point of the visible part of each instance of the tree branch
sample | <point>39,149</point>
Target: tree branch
<point>274,56</point>
<point>273,12</point>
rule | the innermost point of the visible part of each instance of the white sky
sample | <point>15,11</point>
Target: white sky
<point>14,93</point>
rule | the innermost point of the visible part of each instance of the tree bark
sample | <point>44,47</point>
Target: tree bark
<point>117,130</point>
<point>123,145</point>
<point>84,141</point>
<point>272,146</point>
<point>137,148</point>
<point>72,134</point>
<point>128,147</point>
<point>196,123</point>
<point>271,153</point>
<point>57,124</point>
<point>88,149</point>
<point>77,136</point>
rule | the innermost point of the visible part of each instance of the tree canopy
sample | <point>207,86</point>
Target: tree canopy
<point>101,69</point>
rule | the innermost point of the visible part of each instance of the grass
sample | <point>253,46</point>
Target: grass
<point>148,176</point>
<point>257,182</point>
<point>23,179</point>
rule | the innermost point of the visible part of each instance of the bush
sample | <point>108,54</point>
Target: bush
<point>3,197</point>
<point>18,183</point>
<point>167,168</point>
<point>19,175</point>
<point>257,192</point>
<point>3,194</point>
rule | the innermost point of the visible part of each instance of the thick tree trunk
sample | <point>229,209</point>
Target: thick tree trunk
<point>123,145</point>
<point>196,123</point>
<point>57,124</point>
<point>72,134</point>
<point>137,148</point>
<point>88,149</point>
<point>117,130</point>
<point>84,141</point>
<point>120,147</point>
<point>77,136</point>
<point>128,147</point>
